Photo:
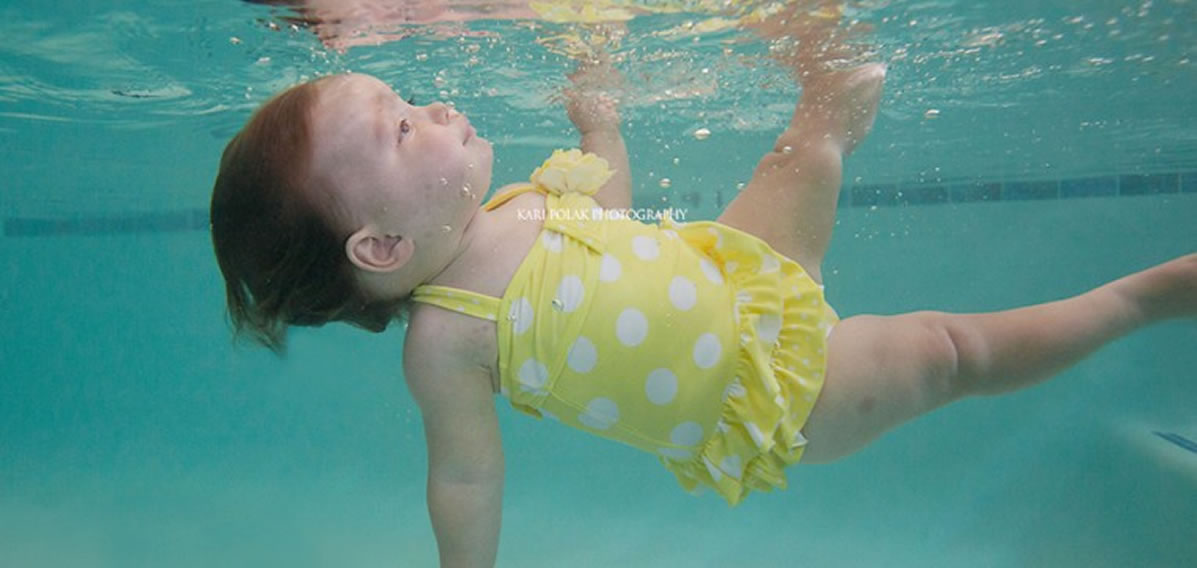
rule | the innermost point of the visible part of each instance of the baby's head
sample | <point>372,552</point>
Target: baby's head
<point>335,200</point>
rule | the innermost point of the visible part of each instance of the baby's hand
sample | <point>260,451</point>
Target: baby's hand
<point>589,103</point>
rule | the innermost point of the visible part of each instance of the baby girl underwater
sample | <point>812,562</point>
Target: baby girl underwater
<point>707,343</point>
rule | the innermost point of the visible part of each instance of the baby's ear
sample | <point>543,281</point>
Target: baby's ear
<point>378,252</point>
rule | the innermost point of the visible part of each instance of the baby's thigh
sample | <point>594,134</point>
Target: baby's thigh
<point>881,371</point>
<point>794,213</point>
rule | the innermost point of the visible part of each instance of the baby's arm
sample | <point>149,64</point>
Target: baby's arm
<point>594,114</point>
<point>465,457</point>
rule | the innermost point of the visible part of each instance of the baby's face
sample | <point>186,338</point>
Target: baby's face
<point>396,164</point>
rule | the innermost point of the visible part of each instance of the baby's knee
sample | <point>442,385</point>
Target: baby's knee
<point>936,347</point>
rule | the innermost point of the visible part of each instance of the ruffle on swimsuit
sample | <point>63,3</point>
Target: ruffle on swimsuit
<point>783,323</point>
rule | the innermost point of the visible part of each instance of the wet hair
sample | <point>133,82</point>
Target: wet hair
<point>280,251</point>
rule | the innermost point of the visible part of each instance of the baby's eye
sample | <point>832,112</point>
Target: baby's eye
<point>404,127</point>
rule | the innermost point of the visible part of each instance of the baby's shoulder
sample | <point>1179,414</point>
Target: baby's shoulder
<point>440,341</point>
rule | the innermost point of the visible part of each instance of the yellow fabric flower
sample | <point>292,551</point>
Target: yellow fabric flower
<point>571,170</point>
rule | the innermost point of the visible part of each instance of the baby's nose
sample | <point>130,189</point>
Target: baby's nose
<point>440,112</point>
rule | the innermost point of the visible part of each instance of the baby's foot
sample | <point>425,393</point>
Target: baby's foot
<point>1166,291</point>
<point>847,101</point>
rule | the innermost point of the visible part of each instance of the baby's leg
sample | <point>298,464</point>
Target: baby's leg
<point>883,371</point>
<point>790,201</point>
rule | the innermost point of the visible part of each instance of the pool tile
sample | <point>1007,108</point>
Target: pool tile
<point>1028,190</point>
<point>924,195</point>
<point>1106,186</point>
<point>185,220</point>
<point>883,195</point>
<point>972,192</point>
<point>1188,182</point>
<point>1148,184</point>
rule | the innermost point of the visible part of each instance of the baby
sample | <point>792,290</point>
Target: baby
<point>707,343</point>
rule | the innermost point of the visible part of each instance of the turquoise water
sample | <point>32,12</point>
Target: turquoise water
<point>133,434</point>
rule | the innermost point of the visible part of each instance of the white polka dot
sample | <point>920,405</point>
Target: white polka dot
<point>711,271</point>
<point>631,327</point>
<point>757,436</point>
<point>735,389</point>
<point>645,247</point>
<point>570,293</point>
<point>601,414</point>
<point>609,269</point>
<point>548,415</point>
<point>582,356</point>
<point>768,327</point>
<point>732,466</point>
<point>682,293</point>
<point>661,386</point>
<point>686,434</point>
<point>520,314</point>
<point>551,241</point>
<point>711,469</point>
<point>669,234</point>
<point>706,351</point>
<point>533,376</point>
<point>770,264</point>
<point>743,297</point>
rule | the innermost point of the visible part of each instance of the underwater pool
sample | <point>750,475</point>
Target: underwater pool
<point>1023,152</point>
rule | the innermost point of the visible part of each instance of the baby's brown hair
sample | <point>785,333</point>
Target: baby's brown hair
<point>280,252</point>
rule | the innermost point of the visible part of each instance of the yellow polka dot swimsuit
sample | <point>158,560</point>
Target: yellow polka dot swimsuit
<point>695,341</point>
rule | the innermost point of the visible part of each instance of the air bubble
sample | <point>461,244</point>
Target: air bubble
<point>931,113</point>
<point>787,149</point>
<point>702,134</point>
<point>665,183</point>
<point>446,228</point>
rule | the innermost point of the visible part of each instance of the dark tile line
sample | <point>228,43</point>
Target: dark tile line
<point>169,221</point>
<point>872,195</point>
<point>892,194</point>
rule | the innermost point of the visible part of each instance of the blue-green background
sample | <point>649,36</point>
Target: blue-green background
<point>132,433</point>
